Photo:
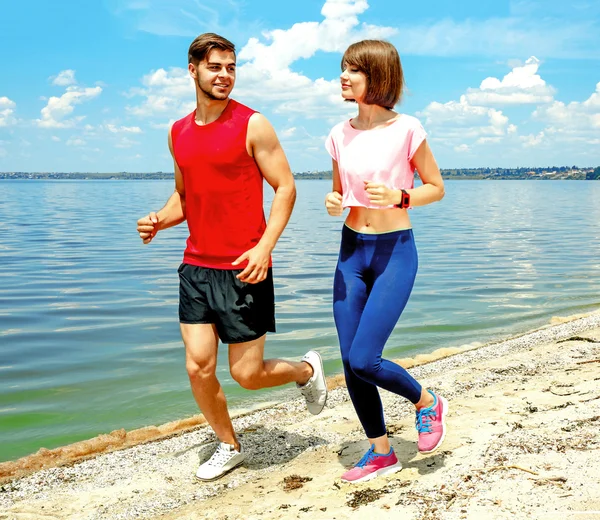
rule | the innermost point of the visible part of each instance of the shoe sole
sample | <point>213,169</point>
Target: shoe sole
<point>221,475</point>
<point>445,409</point>
<point>389,470</point>
<point>326,391</point>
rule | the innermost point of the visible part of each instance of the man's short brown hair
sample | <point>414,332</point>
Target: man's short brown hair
<point>380,62</point>
<point>203,44</point>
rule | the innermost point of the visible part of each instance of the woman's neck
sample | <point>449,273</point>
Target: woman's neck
<point>371,116</point>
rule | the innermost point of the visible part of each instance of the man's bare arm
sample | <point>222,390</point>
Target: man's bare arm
<point>172,213</point>
<point>273,164</point>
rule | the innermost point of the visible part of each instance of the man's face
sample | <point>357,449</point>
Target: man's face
<point>215,75</point>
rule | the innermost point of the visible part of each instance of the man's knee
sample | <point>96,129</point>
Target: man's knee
<point>200,369</point>
<point>247,377</point>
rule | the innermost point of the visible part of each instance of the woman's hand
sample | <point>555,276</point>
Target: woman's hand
<point>380,195</point>
<point>333,203</point>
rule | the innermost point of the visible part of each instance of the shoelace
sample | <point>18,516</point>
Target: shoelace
<point>219,457</point>
<point>424,418</point>
<point>367,457</point>
<point>309,392</point>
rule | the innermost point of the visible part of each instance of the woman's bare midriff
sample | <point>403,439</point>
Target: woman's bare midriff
<point>366,220</point>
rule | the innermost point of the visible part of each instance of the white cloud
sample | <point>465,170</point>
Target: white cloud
<point>339,28</point>
<point>7,109</point>
<point>75,141</point>
<point>270,79</point>
<point>473,120</point>
<point>520,86</point>
<point>292,94</point>
<point>167,93</point>
<point>55,139</point>
<point>64,78</point>
<point>269,63</point>
<point>539,28</point>
<point>488,140</point>
<point>575,115</point>
<point>183,17</point>
<point>123,129</point>
<point>162,126</point>
<point>472,125</point>
<point>125,142</point>
<point>265,67</point>
<point>460,120</point>
<point>572,122</point>
<point>54,113</point>
<point>288,132</point>
<point>513,35</point>
<point>532,140</point>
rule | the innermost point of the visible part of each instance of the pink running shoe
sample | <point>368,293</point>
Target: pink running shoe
<point>371,465</point>
<point>431,424</point>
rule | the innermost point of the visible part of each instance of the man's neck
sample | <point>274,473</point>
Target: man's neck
<point>209,110</point>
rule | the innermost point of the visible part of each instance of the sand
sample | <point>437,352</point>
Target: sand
<point>523,442</point>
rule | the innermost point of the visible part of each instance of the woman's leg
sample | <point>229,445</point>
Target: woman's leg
<point>350,292</point>
<point>387,276</point>
<point>393,264</point>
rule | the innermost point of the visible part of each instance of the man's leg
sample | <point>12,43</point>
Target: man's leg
<point>244,314</point>
<point>253,372</point>
<point>201,344</point>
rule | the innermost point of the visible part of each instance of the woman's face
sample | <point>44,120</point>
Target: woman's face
<point>354,83</point>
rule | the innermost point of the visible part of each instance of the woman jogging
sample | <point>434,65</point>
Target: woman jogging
<point>375,155</point>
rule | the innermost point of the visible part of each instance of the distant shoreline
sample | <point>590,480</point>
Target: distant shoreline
<point>545,173</point>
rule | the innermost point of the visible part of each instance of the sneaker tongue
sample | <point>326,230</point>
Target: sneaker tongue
<point>226,447</point>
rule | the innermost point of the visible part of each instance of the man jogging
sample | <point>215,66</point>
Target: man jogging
<point>222,152</point>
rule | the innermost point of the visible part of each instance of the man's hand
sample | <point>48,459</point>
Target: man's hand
<point>380,195</point>
<point>147,227</point>
<point>333,203</point>
<point>258,264</point>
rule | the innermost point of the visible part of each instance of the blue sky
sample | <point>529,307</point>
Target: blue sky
<point>93,86</point>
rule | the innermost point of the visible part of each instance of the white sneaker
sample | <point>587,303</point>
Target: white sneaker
<point>315,389</point>
<point>223,460</point>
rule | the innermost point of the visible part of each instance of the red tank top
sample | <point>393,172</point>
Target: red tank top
<point>223,187</point>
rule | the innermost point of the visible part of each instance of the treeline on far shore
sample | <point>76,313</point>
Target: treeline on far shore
<point>545,173</point>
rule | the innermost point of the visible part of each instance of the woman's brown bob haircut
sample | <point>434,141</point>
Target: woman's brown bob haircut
<point>380,62</point>
<point>201,47</point>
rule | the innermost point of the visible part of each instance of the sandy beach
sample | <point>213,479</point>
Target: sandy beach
<point>523,442</point>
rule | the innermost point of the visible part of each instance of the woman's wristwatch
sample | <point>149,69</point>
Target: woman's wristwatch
<point>404,201</point>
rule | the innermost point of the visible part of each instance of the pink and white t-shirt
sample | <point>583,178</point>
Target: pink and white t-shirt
<point>380,155</point>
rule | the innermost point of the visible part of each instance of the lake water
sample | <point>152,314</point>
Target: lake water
<point>89,334</point>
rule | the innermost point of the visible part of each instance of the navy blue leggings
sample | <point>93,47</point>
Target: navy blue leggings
<point>373,280</point>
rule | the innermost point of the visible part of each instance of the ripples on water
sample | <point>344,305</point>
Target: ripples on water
<point>89,337</point>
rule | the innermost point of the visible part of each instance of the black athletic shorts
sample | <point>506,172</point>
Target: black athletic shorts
<point>240,311</point>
